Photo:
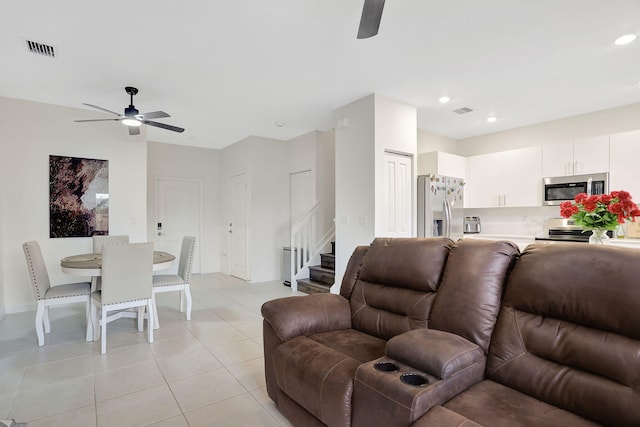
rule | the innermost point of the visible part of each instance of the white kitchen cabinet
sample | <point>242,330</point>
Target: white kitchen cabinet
<point>484,181</point>
<point>582,156</point>
<point>624,173</point>
<point>441,163</point>
<point>505,179</point>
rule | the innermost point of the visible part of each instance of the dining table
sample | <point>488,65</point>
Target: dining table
<point>91,265</point>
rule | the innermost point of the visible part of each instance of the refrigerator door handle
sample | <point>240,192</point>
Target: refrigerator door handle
<point>447,218</point>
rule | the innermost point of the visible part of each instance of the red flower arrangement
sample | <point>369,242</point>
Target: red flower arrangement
<point>601,212</point>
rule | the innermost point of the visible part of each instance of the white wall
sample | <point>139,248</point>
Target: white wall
<point>364,130</point>
<point>270,210</point>
<point>599,123</point>
<point>326,179</point>
<point>428,141</point>
<point>177,161</point>
<point>315,151</point>
<point>2,287</point>
<point>29,133</point>
<point>266,163</point>
<point>395,130</point>
<point>355,176</point>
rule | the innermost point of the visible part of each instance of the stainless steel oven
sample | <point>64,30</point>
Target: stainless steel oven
<point>559,189</point>
<point>565,230</point>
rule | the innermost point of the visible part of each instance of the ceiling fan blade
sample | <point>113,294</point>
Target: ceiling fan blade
<point>98,120</point>
<point>154,115</point>
<point>370,20</point>
<point>163,126</point>
<point>134,130</point>
<point>101,109</point>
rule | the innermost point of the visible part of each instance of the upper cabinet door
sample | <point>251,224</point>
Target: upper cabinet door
<point>441,163</point>
<point>582,156</point>
<point>505,179</point>
<point>557,159</point>
<point>522,179</point>
<point>625,155</point>
<point>591,155</point>
<point>484,181</point>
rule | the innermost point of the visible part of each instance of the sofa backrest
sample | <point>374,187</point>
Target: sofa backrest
<point>468,301</point>
<point>393,290</point>
<point>568,332</point>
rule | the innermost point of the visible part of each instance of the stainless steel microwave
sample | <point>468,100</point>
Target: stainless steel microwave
<point>559,189</point>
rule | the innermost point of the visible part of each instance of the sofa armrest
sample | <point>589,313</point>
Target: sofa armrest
<point>307,315</point>
<point>437,353</point>
<point>422,368</point>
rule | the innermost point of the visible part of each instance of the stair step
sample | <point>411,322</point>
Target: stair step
<point>320,274</point>
<point>328,260</point>
<point>309,286</point>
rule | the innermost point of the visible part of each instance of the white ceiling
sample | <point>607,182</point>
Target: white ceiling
<point>225,70</point>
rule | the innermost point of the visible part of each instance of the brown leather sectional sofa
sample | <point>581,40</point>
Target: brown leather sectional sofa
<point>428,332</point>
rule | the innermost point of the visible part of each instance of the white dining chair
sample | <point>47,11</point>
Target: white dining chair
<point>100,241</point>
<point>177,282</point>
<point>127,270</point>
<point>47,295</point>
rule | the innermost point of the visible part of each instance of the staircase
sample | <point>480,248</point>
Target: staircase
<point>321,276</point>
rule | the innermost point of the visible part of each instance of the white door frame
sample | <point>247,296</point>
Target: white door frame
<point>198,251</point>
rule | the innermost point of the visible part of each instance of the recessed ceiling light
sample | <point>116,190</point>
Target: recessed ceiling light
<point>491,119</point>
<point>626,39</point>
<point>444,99</point>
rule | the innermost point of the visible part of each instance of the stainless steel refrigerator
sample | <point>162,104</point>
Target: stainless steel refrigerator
<point>440,206</point>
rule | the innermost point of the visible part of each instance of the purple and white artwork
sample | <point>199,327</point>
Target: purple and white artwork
<point>78,197</point>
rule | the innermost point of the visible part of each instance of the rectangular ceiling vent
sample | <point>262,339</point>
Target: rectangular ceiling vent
<point>463,110</point>
<point>41,49</point>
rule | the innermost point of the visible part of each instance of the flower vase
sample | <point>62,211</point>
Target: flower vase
<point>598,237</point>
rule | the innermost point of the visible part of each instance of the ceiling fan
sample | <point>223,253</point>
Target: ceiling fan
<point>370,20</point>
<point>132,117</point>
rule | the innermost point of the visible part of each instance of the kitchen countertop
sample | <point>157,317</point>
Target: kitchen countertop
<point>499,236</point>
<point>524,240</point>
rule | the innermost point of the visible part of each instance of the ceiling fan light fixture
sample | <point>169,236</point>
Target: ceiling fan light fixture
<point>626,39</point>
<point>131,122</point>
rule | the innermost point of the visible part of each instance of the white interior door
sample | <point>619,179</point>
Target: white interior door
<point>238,225</point>
<point>302,194</point>
<point>397,195</point>
<point>178,214</point>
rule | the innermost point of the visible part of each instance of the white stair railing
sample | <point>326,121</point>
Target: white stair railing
<point>305,245</point>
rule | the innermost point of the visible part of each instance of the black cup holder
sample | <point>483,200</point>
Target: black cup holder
<point>386,366</point>
<point>414,380</point>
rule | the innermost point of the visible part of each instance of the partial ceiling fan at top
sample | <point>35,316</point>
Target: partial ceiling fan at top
<point>132,117</point>
<point>370,20</point>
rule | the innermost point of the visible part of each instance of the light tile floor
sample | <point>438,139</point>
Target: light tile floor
<point>205,372</point>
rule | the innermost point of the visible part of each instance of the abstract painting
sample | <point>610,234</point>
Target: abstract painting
<point>78,197</point>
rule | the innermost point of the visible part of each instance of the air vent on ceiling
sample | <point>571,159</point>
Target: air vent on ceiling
<point>41,48</point>
<point>463,110</point>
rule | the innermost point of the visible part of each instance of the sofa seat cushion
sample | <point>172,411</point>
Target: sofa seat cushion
<point>355,344</point>
<point>492,404</point>
<point>443,417</point>
<point>316,377</point>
